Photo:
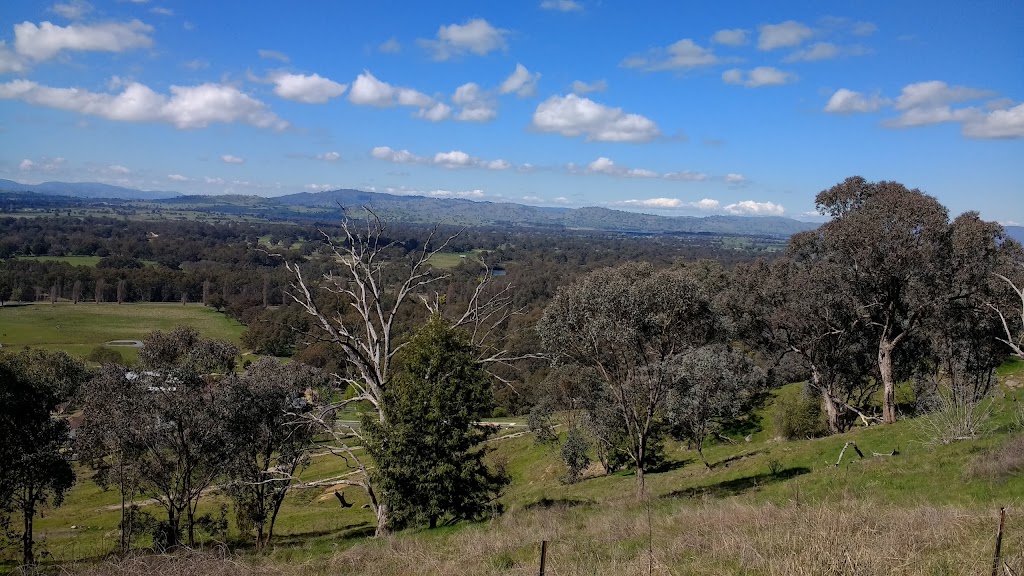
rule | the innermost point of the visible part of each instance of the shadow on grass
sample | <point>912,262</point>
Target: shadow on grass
<point>347,532</point>
<point>725,463</point>
<point>547,503</point>
<point>738,486</point>
<point>670,465</point>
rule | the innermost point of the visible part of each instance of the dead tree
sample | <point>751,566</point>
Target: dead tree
<point>1016,343</point>
<point>375,286</point>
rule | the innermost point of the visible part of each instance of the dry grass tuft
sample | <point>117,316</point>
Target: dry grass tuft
<point>1001,463</point>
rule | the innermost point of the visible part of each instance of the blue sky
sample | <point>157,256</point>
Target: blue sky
<point>667,107</point>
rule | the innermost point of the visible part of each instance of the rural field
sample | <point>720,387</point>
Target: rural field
<point>78,328</point>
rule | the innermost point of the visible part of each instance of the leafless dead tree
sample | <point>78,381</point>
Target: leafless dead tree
<point>1016,343</point>
<point>376,287</point>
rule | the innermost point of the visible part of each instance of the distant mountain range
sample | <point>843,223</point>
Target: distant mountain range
<point>422,209</point>
<point>84,190</point>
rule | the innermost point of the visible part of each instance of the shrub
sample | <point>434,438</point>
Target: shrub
<point>799,416</point>
<point>539,422</point>
<point>574,455</point>
<point>104,355</point>
<point>1001,463</point>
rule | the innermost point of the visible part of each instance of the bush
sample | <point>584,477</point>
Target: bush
<point>499,412</point>
<point>104,355</point>
<point>539,422</point>
<point>574,455</point>
<point>799,416</point>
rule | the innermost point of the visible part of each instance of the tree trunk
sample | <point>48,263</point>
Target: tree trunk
<point>191,526</point>
<point>827,401</point>
<point>28,510</point>
<point>382,520</point>
<point>888,386</point>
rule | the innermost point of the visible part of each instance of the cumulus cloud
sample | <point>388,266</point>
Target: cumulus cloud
<point>397,156</point>
<point>44,165</point>
<point>476,104</point>
<point>705,205</point>
<point>229,159</point>
<point>605,165</point>
<point>997,124</point>
<point>476,36</point>
<point>308,89</point>
<point>521,81</point>
<point>733,178</point>
<point>46,40</point>
<point>320,187</point>
<point>580,87</point>
<point>329,156</point>
<point>118,169</point>
<point>814,52</point>
<point>185,107</point>
<point>935,93</point>
<point>752,208</point>
<point>367,90</point>
<point>562,5</point>
<point>573,116</point>
<point>72,10</point>
<point>453,194</point>
<point>273,55</point>
<point>845,101</point>
<point>760,76</point>
<point>733,37</point>
<point>162,11</point>
<point>436,113</point>
<point>784,35</point>
<point>453,159</point>
<point>178,178</point>
<point>682,55</point>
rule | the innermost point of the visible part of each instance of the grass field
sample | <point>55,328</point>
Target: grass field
<point>78,328</point>
<point>89,261</point>
<point>452,259</point>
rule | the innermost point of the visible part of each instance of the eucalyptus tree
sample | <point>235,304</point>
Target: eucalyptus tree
<point>632,325</point>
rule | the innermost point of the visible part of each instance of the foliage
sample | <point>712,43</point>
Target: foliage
<point>430,464</point>
<point>267,441</point>
<point>35,463</point>
<point>105,355</point>
<point>799,416</point>
<point>713,386</point>
<point>574,455</point>
<point>540,424</point>
<point>632,325</point>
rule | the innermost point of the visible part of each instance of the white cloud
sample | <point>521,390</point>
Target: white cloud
<point>752,208</point>
<point>783,35</point>
<point>118,169</point>
<point>329,156</point>
<point>72,10</point>
<point>454,159</point>
<point>229,159</point>
<point>760,76</point>
<point>390,46</point>
<point>686,176</point>
<point>9,61</point>
<point>604,165</point>
<point>562,5</point>
<point>178,178</point>
<point>320,187</point>
<point>683,55</point>
<point>846,101</point>
<point>186,106</point>
<point>47,40</point>
<point>498,164</point>
<point>997,124</point>
<point>734,37</point>
<point>476,36</point>
<point>273,55</point>
<point>476,104</point>
<point>397,156</point>
<point>814,52</point>
<point>572,116</point>
<point>864,28</point>
<point>450,194</point>
<point>435,113</point>
<point>733,178</point>
<point>935,93</point>
<point>44,165</point>
<point>162,11</point>
<point>580,87</point>
<point>367,90</point>
<point>311,89</point>
<point>705,205</point>
<point>521,81</point>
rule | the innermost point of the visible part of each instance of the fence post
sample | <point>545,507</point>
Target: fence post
<point>543,554</point>
<point>999,544</point>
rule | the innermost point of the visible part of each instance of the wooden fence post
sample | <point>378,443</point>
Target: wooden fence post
<point>999,543</point>
<point>543,554</point>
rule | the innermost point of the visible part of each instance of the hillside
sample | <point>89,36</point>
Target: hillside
<point>84,190</point>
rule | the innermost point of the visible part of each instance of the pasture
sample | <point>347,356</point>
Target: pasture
<point>78,328</point>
